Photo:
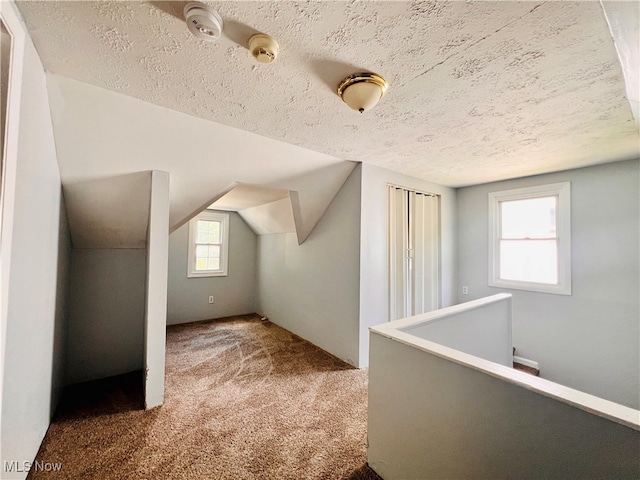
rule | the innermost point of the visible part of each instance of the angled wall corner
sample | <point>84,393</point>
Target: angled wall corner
<point>315,191</point>
<point>293,204</point>
<point>311,289</point>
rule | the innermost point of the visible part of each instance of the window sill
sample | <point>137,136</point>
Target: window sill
<point>531,287</point>
<point>206,274</point>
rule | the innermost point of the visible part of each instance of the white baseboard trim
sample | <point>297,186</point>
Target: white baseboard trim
<point>526,362</point>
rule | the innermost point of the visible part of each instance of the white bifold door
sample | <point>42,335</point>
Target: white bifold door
<point>414,252</point>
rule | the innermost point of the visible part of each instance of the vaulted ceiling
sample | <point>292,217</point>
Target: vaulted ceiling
<point>479,91</point>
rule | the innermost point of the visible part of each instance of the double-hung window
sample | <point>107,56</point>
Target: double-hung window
<point>530,239</point>
<point>208,245</point>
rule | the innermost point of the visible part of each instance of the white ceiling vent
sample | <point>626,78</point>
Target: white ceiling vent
<point>203,21</point>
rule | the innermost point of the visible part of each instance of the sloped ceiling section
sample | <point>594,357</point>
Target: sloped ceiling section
<point>247,196</point>
<point>109,212</point>
<point>105,139</point>
<point>273,217</point>
<point>479,91</point>
<point>265,210</point>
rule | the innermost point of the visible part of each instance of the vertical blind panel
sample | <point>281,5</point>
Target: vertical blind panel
<point>424,229</point>
<point>393,257</point>
<point>416,230</point>
<point>398,243</point>
<point>410,283</point>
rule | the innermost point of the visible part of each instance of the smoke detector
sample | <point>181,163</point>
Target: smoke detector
<point>264,48</point>
<point>203,21</point>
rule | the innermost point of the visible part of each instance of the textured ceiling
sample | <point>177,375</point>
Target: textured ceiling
<point>478,91</point>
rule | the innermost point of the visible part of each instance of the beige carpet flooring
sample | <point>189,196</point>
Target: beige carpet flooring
<point>245,399</point>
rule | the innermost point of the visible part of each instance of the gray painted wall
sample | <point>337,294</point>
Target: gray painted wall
<point>432,418</point>
<point>106,313</point>
<point>34,355</point>
<point>484,331</point>
<point>374,256</point>
<point>60,337</point>
<point>590,340</point>
<point>234,294</point>
<point>312,289</point>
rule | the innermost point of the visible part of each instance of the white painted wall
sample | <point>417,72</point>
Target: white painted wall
<point>374,259</point>
<point>155,319</point>
<point>429,417</point>
<point>234,294</point>
<point>106,313</point>
<point>312,289</point>
<point>35,330</point>
<point>588,340</point>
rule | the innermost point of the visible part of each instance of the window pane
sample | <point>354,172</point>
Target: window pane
<point>213,264</point>
<point>214,232</point>
<point>207,257</point>
<point>214,251</point>
<point>202,231</point>
<point>530,218</point>
<point>529,261</point>
<point>208,231</point>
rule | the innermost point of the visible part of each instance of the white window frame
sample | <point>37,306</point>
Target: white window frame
<point>563,235</point>
<point>224,247</point>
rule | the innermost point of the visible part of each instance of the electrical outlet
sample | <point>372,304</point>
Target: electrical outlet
<point>465,290</point>
<point>210,298</point>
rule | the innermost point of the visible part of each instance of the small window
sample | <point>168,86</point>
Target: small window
<point>208,245</point>
<point>530,239</point>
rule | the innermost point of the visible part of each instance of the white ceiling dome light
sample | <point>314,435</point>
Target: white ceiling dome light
<point>362,91</point>
<point>203,21</point>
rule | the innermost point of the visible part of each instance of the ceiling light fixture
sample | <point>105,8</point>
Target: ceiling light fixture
<point>362,91</point>
<point>264,48</point>
<point>203,21</point>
